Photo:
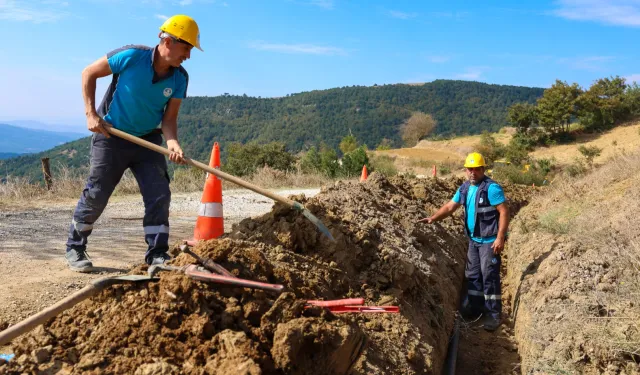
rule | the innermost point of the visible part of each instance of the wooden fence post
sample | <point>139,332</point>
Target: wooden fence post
<point>47,173</point>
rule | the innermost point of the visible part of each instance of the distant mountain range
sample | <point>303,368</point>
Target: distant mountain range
<point>33,124</point>
<point>311,118</point>
<point>7,155</point>
<point>20,140</point>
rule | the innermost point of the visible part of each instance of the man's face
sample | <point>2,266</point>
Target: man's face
<point>475,174</point>
<point>178,52</point>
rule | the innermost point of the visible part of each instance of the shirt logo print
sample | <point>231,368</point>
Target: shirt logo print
<point>167,92</point>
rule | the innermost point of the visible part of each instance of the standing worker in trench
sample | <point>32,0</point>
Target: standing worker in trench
<point>486,220</point>
<point>146,91</point>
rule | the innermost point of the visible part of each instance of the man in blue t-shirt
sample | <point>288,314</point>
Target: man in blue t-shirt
<point>486,219</point>
<point>146,91</point>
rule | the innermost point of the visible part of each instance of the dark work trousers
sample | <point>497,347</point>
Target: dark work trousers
<point>110,158</point>
<point>483,278</point>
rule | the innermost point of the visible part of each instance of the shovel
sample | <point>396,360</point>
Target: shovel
<point>193,272</point>
<point>88,291</point>
<point>295,205</point>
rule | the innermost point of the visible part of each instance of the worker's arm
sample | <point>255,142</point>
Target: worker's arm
<point>170,130</point>
<point>444,211</point>
<point>98,69</point>
<point>503,224</point>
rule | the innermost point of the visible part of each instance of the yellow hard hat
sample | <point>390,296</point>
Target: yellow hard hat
<point>184,28</point>
<point>474,160</point>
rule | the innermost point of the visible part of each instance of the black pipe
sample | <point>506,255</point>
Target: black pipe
<point>452,350</point>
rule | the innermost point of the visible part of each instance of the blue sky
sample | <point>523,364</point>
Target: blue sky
<point>275,47</point>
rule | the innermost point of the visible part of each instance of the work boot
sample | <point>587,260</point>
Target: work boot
<point>468,312</point>
<point>78,260</point>
<point>491,323</point>
<point>159,258</point>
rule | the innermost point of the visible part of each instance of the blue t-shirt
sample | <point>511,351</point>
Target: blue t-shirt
<point>136,100</point>
<point>496,196</point>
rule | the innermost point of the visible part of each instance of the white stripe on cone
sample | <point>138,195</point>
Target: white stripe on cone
<point>210,210</point>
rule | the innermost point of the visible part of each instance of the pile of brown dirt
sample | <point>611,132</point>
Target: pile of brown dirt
<point>178,325</point>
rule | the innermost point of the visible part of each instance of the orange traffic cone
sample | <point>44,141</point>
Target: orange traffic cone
<point>364,174</point>
<point>210,222</point>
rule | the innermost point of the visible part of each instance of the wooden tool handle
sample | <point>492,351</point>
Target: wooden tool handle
<point>193,273</point>
<point>337,302</point>
<point>206,168</point>
<point>33,321</point>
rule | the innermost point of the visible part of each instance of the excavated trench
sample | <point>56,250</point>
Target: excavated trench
<point>179,325</point>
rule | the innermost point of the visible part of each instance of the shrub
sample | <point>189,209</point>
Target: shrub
<point>545,165</point>
<point>329,162</point>
<point>589,153</point>
<point>385,144</point>
<point>516,154</point>
<point>515,175</point>
<point>244,160</point>
<point>490,148</point>
<point>384,165</point>
<point>311,162</point>
<point>353,162</point>
<point>348,144</point>
<point>419,125</point>
<point>577,168</point>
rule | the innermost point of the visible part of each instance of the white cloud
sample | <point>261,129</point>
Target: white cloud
<point>589,63</point>
<point>472,73</point>
<point>438,59</point>
<point>326,4</point>
<point>161,17</point>
<point>456,15</point>
<point>54,2</point>
<point>402,15</point>
<point>44,11</point>
<point>81,60</point>
<point>633,78</point>
<point>309,49</point>
<point>185,2</point>
<point>612,12</point>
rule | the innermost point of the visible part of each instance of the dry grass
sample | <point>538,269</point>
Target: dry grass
<point>21,192</point>
<point>577,272</point>
<point>269,178</point>
<point>619,140</point>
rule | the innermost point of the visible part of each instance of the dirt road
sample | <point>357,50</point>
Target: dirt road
<point>34,273</point>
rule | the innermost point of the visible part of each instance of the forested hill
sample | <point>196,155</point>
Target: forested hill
<point>371,113</point>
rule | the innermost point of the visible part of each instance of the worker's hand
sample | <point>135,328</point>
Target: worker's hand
<point>96,124</point>
<point>498,245</point>
<point>427,220</point>
<point>177,156</point>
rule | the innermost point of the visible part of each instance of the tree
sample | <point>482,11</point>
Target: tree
<point>632,99</point>
<point>490,149</point>
<point>348,143</point>
<point>590,153</point>
<point>311,162</point>
<point>522,116</point>
<point>385,144</point>
<point>516,155</point>
<point>416,127</point>
<point>353,161</point>
<point>244,160</point>
<point>557,106</point>
<point>329,161</point>
<point>603,105</point>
